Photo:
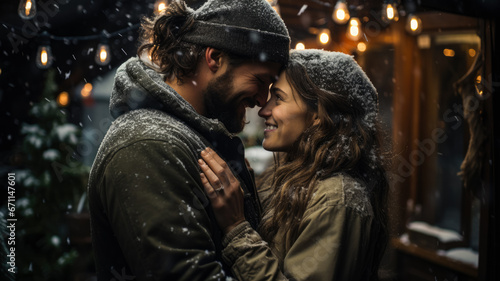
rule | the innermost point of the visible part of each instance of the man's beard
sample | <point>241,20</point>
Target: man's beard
<point>219,107</point>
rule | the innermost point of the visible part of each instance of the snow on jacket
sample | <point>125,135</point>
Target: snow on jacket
<point>336,240</point>
<point>150,217</point>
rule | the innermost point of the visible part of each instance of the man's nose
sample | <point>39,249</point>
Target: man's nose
<point>261,98</point>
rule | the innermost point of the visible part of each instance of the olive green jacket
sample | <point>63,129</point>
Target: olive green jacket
<point>150,218</point>
<point>336,240</point>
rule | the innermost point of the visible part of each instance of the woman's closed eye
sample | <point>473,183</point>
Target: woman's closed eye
<point>278,97</point>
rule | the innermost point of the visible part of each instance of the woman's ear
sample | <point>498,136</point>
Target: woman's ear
<point>315,119</point>
<point>213,58</point>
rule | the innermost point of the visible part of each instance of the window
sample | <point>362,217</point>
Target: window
<point>424,116</point>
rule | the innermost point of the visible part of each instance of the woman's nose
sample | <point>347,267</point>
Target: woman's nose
<point>265,111</point>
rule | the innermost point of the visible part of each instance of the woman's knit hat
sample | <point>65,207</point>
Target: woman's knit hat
<point>338,73</point>
<point>249,28</point>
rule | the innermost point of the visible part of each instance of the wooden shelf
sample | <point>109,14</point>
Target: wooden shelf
<point>433,257</point>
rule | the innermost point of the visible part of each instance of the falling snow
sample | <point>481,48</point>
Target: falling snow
<point>302,9</point>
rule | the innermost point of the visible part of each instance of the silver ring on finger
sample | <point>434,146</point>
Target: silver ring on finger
<point>220,188</point>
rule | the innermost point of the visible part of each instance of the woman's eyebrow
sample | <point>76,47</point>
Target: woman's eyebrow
<point>276,89</point>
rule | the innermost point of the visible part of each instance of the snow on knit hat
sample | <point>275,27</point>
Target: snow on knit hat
<point>249,28</point>
<point>339,73</point>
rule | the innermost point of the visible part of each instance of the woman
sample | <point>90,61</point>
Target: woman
<point>324,205</point>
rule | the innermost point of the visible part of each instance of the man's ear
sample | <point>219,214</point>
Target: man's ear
<point>213,58</point>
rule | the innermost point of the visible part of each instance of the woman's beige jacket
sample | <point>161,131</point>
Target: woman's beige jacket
<point>336,239</point>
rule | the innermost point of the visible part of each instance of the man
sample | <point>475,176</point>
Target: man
<point>150,217</point>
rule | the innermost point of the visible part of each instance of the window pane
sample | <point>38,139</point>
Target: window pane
<point>452,55</point>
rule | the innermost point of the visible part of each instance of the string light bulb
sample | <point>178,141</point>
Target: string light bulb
<point>161,6</point>
<point>300,46</point>
<point>341,12</point>
<point>63,99</point>
<point>103,53</point>
<point>27,9</point>
<point>44,56</point>
<point>354,30</point>
<point>324,36</point>
<point>86,90</point>
<point>390,12</point>
<point>449,52</point>
<point>413,24</point>
<point>361,47</point>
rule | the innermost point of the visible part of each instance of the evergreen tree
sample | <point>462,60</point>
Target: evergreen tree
<point>52,185</point>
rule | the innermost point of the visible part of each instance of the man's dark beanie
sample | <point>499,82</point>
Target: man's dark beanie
<point>249,28</point>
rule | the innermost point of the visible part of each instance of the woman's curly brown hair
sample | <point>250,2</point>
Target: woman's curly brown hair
<point>341,142</point>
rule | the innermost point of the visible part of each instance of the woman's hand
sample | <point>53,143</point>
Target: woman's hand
<point>223,189</point>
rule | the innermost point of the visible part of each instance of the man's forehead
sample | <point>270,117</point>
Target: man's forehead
<point>268,71</point>
<point>262,66</point>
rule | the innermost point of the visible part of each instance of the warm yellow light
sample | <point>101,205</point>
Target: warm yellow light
<point>300,46</point>
<point>103,55</point>
<point>390,12</point>
<point>86,90</point>
<point>324,38</point>
<point>162,7</point>
<point>361,47</point>
<point>44,57</point>
<point>341,12</point>
<point>63,98</point>
<point>472,52</point>
<point>449,52</point>
<point>414,24</point>
<point>354,30</point>
<point>28,7</point>
<point>88,87</point>
<point>478,79</point>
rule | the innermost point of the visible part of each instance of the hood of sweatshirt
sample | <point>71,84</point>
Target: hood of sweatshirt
<point>139,86</point>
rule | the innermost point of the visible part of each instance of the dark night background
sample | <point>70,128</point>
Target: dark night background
<point>21,81</point>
